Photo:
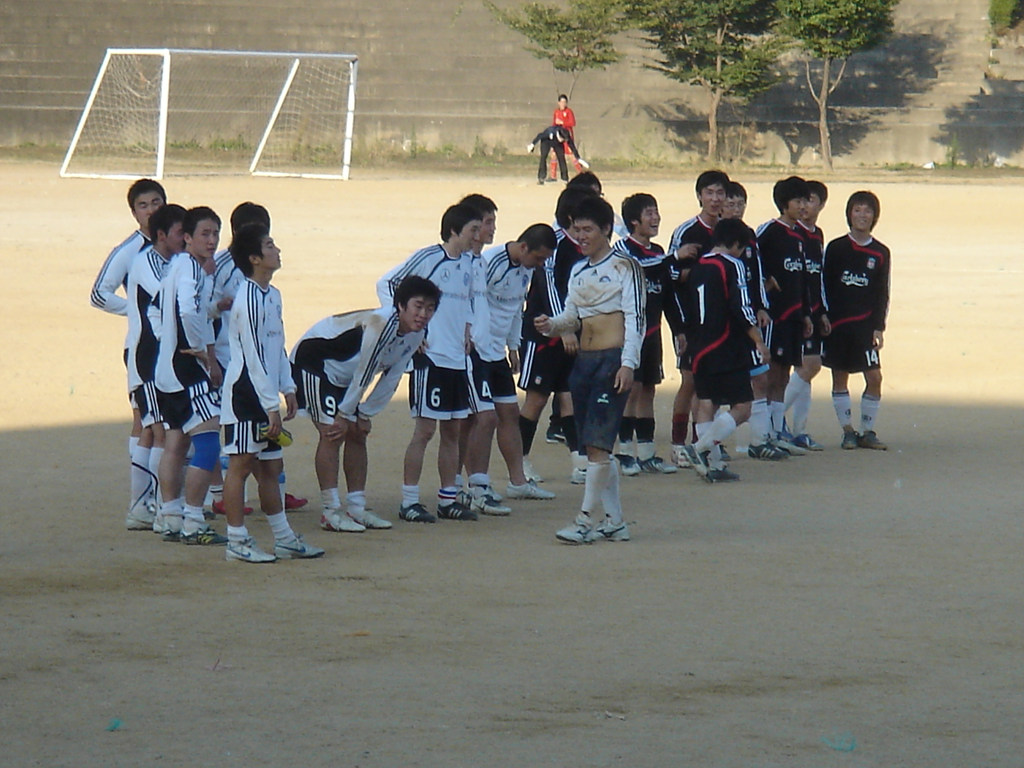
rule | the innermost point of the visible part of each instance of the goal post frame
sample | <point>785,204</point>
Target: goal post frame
<point>345,129</point>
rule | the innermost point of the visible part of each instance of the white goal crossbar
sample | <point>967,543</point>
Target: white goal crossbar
<point>271,113</point>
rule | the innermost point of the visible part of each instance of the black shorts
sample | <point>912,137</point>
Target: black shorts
<point>436,392</point>
<point>597,407</point>
<point>785,340</point>
<point>145,399</point>
<point>317,396</point>
<point>491,382</point>
<point>851,348</point>
<point>729,388</point>
<point>651,370</point>
<point>544,366</point>
<point>812,345</point>
<point>187,409</point>
<point>246,437</point>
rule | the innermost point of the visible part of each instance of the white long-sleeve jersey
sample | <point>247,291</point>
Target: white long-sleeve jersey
<point>258,371</point>
<point>144,280</point>
<point>614,284</point>
<point>446,346</point>
<point>504,286</point>
<point>351,349</point>
<point>185,324</point>
<point>114,274</point>
<point>227,279</point>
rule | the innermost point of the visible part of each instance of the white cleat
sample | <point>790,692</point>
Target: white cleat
<point>532,475</point>
<point>369,520</point>
<point>340,522</point>
<point>528,490</point>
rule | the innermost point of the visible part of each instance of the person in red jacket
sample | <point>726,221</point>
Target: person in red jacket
<point>566,118</point>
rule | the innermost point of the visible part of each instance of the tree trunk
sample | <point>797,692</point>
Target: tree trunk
<point>714,102</point>
<point>823,133</point>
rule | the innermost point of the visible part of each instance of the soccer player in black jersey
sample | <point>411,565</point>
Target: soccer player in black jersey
<point>722,338</point>
<point>640,212</point>
<point>855,292</point>
<point>690,241</point>
<point>782,256</point>
<point>798,390</point>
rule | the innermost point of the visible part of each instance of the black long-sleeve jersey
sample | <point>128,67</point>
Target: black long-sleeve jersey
<point>719,339</point>
<point>782,256</point>
<point>814,251</point>
<point>549,287</point>
<point>855,282</point>
<point>658,277</point>
<point>692,231</point>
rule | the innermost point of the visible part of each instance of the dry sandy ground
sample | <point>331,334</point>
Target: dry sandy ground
<point>843,609</point>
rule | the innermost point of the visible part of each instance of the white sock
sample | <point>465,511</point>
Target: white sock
<point>802,409</point>
<point>868,412</point>
<point>240,533</point>
<point>479,482</point>
<point>778,416</point>
<point>597,479</point>
<point>155,454</point>
<point>410,495</point>
<point>610,499</point>
<point>644,451</point>
<point>141,482</point>
<point>193,519</point>
<point>279,525</point>
<point>356,502</point>
<point>704,441</point>
<point>844,408</point>
<point>330,499</point>
<point>759,423</point>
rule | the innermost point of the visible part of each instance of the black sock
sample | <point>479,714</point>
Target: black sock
<point>645,430</point>
<point>569,430</point>
<point>626,429</point>
<point>527,429</point>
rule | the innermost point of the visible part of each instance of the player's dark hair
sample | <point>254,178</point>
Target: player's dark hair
<point>482,203</point>
<point>709,179</point>
<point>200,213</point>
<point>587,179</point>
<point>633,208</point>
<point>538,236</point>
<point>568,200</point>
<point>164,218</point>
<point>863,197</point>
<point>734,189</point>
<point>562,96</point>
<point>142,187</point>
<point>597,210</point>
<point>790,188</point>
<point>249,213</point>
<point>729,232</point>
<point>815,187</point>
<point>456,218</point>
<point>246,242</point>
<point>413,286</point>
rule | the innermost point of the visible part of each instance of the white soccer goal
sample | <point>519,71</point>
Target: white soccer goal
<point>159,111</point>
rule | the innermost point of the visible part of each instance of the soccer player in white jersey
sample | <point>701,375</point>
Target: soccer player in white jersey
<point>227,279</point>
<point>187,377</point>
<point>333,365</point>
<point>144,197</point>
<point>143,292</point>
<point>606,302</point>
<point>258,374</point>
<point>439,387</point>
<point>496,334</point>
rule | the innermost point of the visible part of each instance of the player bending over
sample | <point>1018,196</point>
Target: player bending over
<point>334,364</point>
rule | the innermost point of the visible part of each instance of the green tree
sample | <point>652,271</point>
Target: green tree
<point>573,39</point>
<point>725,46</point>
<point>832,31</point>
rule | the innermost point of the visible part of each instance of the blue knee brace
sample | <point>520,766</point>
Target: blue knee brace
<point>206,447</point>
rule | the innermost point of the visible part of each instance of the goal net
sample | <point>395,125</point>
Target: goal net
<point>154,112</point>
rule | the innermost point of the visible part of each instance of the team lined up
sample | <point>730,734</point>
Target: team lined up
<point>569,312</point>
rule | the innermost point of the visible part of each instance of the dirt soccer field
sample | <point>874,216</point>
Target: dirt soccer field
<point>845,609</point>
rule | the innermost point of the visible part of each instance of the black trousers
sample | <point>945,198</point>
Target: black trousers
<point>546,146</point>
